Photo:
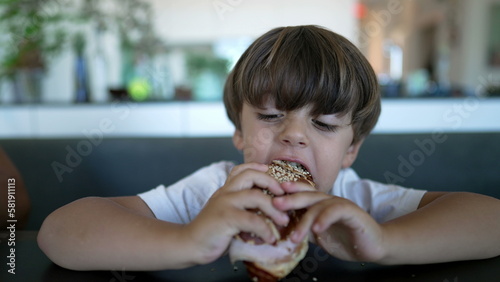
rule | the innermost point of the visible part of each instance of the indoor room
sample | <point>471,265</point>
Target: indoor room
<point>111,99</point>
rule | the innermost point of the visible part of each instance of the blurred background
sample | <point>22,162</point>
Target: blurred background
<point>58,56</point>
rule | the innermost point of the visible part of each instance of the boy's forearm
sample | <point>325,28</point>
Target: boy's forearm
<point>455,226</point>
<point>99,234</point>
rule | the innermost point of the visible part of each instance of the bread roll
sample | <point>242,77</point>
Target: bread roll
<point>271,262</point>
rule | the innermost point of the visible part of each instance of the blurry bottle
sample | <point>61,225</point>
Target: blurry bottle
<point>81,71</point>
<point>99,73</point>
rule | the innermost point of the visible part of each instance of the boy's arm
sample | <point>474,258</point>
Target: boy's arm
<point>123,234</point>
<point>113,233</point>
<point>446,227</point>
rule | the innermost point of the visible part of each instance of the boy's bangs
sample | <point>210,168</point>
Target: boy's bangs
<point>297,72</point>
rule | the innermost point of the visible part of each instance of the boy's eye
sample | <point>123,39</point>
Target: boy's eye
<point>269,117</point>
<point>323,126</point>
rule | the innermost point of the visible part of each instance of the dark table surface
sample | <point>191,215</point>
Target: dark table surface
<point>32,265</point>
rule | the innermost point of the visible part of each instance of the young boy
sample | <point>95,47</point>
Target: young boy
<point>302,94</point>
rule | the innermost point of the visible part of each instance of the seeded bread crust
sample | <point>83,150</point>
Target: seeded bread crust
<point>285,172</point>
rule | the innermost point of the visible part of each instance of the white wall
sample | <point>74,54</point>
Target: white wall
<point>207,20</point>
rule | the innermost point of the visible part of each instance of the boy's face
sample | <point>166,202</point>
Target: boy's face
<point>323,144</point>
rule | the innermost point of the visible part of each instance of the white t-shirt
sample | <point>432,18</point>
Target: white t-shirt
<point>182,201</point>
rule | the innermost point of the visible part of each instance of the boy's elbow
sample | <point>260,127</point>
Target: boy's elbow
<point>48,242</point>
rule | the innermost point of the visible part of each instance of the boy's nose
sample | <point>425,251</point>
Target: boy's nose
<point>294,134</point>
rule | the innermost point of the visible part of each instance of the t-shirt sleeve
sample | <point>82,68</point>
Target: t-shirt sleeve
<point>182,201</point>
<point>382,201</point>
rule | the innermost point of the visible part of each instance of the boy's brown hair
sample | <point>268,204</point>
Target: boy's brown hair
<point>301,65</point>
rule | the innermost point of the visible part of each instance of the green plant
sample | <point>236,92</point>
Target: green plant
<point>34,31</point>
<point>199,62</point>
<point>31,33</point>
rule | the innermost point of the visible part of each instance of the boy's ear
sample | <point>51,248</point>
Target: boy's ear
<point>238,140</point>
<point>352,154</point>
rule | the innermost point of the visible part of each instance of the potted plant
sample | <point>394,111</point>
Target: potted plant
<point>207,73</point>
<point>30,38</point>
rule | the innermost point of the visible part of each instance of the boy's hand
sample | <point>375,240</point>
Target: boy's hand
<point>338,225</point>
<point>226,212</point>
